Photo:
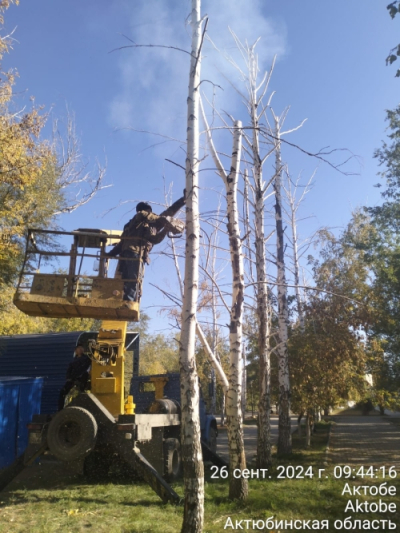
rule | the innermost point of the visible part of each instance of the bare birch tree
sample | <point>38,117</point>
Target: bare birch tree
<point>210,266</point>
<point>256,108</point>
<point>238,487</point>
<point>193,468</point>
<point>294,201</point>
<point>285,434</point>
<point>256,111</point>
<point>78,184</point>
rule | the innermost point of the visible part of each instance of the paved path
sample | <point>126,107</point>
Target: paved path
<point>364,440</point>
<point>250,438</point>
<point>395,414</point>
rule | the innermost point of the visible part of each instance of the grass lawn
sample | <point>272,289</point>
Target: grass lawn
<point>56,503</point>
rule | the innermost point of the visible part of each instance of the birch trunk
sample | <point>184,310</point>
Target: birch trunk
<point>238,488</point>
<point>193,468</point>
<point>215,344</point>
<point>263,317</point>
<point>285,435</point>
<point>244,387</point>
<point>214,338</point>
<point>213,381</point>
<point>299,424</point>
<point>308,430</point>
<point>296,268</point>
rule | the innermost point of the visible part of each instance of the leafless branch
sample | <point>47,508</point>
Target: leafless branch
<point>77,184</point>
<point>135,45</point>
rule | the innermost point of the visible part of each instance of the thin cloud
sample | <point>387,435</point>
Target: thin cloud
<point>153,81</point>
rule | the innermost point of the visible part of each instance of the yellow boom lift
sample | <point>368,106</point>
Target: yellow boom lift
<point>97,424</point>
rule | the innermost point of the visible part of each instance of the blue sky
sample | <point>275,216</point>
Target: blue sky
<point>330,69</point>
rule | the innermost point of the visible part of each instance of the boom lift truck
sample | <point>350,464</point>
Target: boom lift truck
<point>100,426</point>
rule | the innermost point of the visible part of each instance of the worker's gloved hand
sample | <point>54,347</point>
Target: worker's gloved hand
<point>110,253</point>
<point>174,225</point>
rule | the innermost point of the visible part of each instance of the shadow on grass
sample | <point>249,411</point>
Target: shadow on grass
<point>16,498</point>
<point>302,454</point>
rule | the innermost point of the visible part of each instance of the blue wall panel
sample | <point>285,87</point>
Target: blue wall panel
<point>19,400</point>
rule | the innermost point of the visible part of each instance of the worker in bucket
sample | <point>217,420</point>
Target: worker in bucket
<point>77,374</point>
<point>140,234</point>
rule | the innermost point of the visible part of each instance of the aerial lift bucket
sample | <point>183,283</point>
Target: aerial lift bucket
<point>73,294</point>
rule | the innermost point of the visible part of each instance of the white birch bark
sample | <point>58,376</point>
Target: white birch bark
<point>243,382</point>
<point>292,216</point>
<point>285,435</point>
<point>247,227</point>
<point>238,488</point>
<point>193,468</point>
<point>223,410</point>
<point>263,459</point>
<point>264,321</point>
<point>214,349</point>
<point>296,268</point>
<point>214,327</point>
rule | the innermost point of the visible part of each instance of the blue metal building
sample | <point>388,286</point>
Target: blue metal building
<point>48,356</point>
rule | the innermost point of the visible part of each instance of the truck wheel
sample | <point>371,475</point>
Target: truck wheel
<point>172,459</point>
<point>72,433</point>
<point>212,439</point>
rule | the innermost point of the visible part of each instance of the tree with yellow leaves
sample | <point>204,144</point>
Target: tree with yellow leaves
<point>37,182</point>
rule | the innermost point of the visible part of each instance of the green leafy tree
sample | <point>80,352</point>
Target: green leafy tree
<point>394,8</point>
<point>159,355</point>
<point>380,245</point>
<point>365,264</point>
<point>328,359</point>
<point>385,390</point>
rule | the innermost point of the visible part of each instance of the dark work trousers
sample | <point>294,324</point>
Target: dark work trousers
<point>81,382</point>
<point>63,393</point>
<point>131,270</point>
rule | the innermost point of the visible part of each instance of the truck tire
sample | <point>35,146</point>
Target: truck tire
<point>172,459</point>
<point>165,407</point>
<point>72,433</point>
<point>212,439</point>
